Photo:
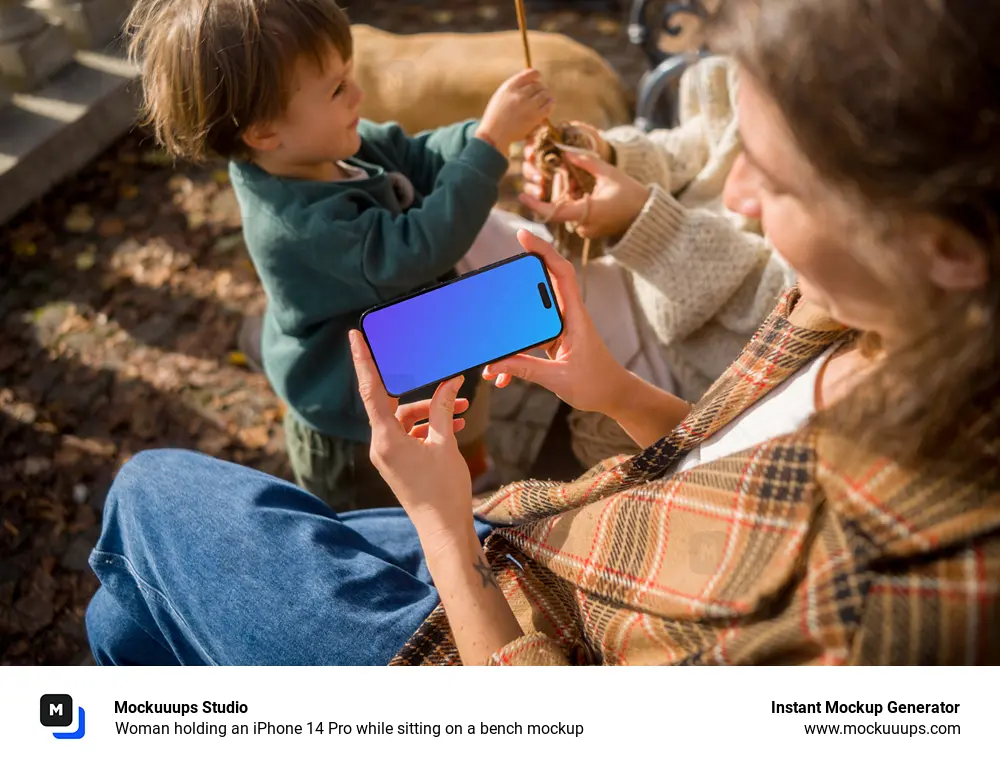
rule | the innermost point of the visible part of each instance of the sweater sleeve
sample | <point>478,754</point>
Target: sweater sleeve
<point>423,156</point>
<point>533,649</point>
<point>669,158</point>
<point>396,251</point>
<point>699,262</point>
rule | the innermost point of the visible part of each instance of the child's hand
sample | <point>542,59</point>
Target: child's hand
<point>519,106</point>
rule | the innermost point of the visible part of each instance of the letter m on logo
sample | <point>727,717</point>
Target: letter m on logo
<point>56,710</point>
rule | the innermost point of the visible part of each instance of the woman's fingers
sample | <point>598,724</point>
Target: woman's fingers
<point>523,366</point>
<point>532,190</point>
<point>591,162</point>
<point>574,210</point>
<point>442,411</point>
<point>410,414</point>
<point>381,408</point>
<point>421,431</point>
<point>561,270</point>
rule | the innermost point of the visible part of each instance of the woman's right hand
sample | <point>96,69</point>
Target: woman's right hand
<point>608,211</point>
<point>579,369</point>
<point>533,180</point>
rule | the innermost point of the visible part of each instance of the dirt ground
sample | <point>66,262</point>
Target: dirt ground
<point>122,294</point>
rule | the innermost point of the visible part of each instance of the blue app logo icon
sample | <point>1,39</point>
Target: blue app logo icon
<point>56,710</point>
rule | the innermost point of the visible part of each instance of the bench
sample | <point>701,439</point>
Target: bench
<point>668,33</point>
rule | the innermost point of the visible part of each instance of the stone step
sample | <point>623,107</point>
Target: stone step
<point>54,131</point>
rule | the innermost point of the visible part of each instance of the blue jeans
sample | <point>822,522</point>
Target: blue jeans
<point>207,562</point>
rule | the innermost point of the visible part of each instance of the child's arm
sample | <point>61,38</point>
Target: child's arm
<point>395,252</point>
<point>517,107</point>
<point>422,156</point>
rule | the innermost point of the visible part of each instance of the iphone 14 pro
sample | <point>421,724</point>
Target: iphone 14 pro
<point>478,318</point>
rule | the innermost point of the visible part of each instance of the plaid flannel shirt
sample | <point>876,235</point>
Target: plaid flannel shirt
<point>797,550</point>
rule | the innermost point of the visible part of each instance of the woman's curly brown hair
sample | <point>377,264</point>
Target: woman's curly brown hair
<point>896,104</point>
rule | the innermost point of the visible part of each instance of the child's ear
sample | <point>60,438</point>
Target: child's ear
<point>261,137</point>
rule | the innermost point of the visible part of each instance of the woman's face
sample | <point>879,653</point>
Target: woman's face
<point>806,222</point>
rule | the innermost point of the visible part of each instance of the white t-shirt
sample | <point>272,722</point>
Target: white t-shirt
<point>782,411</point>
<point>354,173</point>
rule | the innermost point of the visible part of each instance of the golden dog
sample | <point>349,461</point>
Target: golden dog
<point>425,81</point>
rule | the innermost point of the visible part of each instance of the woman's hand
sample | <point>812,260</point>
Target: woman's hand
<point>424,468</point>
<point>614,204</point>
<point>420,463</point>
<point>580,369</point>
<point>533,176</point>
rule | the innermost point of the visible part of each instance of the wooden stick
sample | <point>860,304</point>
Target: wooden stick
<point>522,23</point>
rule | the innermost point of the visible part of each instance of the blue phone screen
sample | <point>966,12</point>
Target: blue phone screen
<point>482,317</point>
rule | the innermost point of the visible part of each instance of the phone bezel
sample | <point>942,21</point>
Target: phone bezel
<point>473,273</point>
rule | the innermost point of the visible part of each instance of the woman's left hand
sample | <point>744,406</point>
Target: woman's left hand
<point>420,463</point>
<point>614,204</point>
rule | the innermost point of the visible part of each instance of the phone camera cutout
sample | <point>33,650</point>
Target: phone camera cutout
<point>546,301</point>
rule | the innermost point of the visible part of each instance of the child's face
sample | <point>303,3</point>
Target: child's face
<point>320,123</point>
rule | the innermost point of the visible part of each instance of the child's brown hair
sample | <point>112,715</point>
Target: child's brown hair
<point>211,68</point>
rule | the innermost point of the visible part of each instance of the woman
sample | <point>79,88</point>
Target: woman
<point>834,498</point>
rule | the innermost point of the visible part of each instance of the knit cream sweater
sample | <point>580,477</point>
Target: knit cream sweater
<point>702,276</point>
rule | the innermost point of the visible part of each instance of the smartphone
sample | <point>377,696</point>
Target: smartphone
<point>478,318</point>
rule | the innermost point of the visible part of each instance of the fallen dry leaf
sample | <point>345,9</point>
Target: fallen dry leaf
<point>255,437</point>
<point>80,494</point>
<point>79,221</point>
<point>237,358</point>
<point>220,176</point>
<point>25,249</point>
<point>156,157</point>
<point>227,243</point>
<point>85,261</point>
<point>443,17</point>
<point>111,227</point>
<point>34,465</point>
<point>214,443</point>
